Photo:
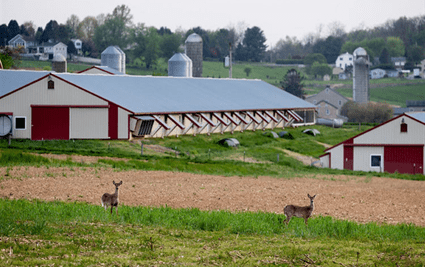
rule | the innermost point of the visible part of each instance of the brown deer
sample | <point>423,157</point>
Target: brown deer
<point>111,199</point>
<point>300,212</point>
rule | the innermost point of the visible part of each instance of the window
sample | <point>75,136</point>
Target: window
<point>339,102</point>
<point>315,102</point>
<point>328,112</point>
<point>50,84</point>
<point>340,58</point>
<point>403,127</point>
<point>375,161</point>
<point>350,58</point>
<point>20,123</point>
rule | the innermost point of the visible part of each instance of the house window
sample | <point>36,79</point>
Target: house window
<point>375,161</point>
<point>20,123</point>
<point>340,58</point>
<point>328,112</point>
<point>339,102</point>
<point>350,58</point>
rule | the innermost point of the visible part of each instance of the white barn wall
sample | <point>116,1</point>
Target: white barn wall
<point>337,157</point>
<point>389,133</point>
<point>362,155</point>
<point>37,93</point>
<point>123,117</point>
<point>89,123</point>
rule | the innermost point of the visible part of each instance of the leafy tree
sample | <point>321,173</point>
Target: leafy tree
<point>122,12</point>
<point>395,46</point>
<point>320,69</point>
<point>138,38</point>
<point>415,54</point>
<point>152,50</point>
<point>13,29</point>
<point>28,28</point>
<point>89,48</point>
<point>247,70</point>
<point>253,45</point>
<point>220,41</point>
<point>72,22</point>
<point>164,31</point>
<point>87,27</point>
<point>367,112</point>
<point>292,83</point>
<point>330,48</point>
<point>10,57</point>
<point>169,45</point>
<point>71,48</point>
<point>315,57</point>
<point>4,35</point>
<point>112,32</point>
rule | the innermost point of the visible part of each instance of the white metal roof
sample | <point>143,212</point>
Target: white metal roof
<point>420,116</point>
<point>159,94</point>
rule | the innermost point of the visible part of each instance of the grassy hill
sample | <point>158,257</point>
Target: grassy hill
<point>390,90</point>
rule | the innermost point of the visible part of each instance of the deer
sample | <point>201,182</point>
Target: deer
<point>111,199</point>
<point>300,212</point>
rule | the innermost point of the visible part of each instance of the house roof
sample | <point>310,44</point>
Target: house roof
<point>159,94</point>
<point>105,69</point>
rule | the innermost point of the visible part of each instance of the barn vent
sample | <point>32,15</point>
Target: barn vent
<point>144,125</point>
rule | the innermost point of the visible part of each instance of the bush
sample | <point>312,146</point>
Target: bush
<point>289,61</point>
<point>369,112</point>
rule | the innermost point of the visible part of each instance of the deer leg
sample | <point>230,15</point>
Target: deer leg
<point>112,207</point>
<point>287,219</point>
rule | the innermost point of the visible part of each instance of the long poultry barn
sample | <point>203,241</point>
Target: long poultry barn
<point>47,105</point>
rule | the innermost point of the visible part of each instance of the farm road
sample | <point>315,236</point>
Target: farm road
<point>361,199</point>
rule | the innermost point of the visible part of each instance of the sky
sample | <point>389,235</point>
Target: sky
<point>276,18</point>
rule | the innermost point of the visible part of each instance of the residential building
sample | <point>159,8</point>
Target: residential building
<point>328,102</point>
<point>344,60</point>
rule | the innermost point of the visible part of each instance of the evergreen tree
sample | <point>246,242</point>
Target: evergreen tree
<point>4,35</point>
<point>13,29</point>
<point>253,45</point>
<point>293,83</point>
<point>384,58</point>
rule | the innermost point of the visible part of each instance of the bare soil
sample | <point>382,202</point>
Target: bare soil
<point>361,199</point>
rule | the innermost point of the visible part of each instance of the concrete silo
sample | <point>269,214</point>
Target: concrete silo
<point>112,58</point>
<point>180,65</point>
<point>59,63</point>
<point>193,49</point>
<point>361,76</point>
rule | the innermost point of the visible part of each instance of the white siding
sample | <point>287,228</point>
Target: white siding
<point>88,123</point>
<point>389,133</point>
<point>123,124</point>
<point>37,94</point>
<point>337,157</point>
<point>324,161</point>
<point>362,158</point>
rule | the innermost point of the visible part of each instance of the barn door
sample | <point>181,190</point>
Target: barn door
<point>348,157</point>
<point>50,123</point>
<point>404,159</point>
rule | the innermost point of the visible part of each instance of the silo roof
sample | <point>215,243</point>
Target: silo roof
<point>161,95</point>
<point>194,38</point>
<point>111,50</point>
<point>360,51</point>
<point>180,57</point>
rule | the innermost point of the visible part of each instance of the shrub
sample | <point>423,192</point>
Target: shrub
<point>369,112</point>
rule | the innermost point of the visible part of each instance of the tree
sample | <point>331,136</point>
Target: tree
<point>71,48</point>
<point>152,50</point>
<point>247,70</point>
<point>138,38</point>
<point>113,32</point>
<point>89,48</point>
<point>28,28</point>
<point>164,31</point>
<point>4,35</point>
<point>13,29</point>
<point>72,22</point>
<point>330,48</point>
<point>315,57</point>
<point>10,57</point>
<point>320,69</point>
<point>336,29</point>
<point>38,34</point>
<point>395,46</point>
<point>253,45</point>
<point>122,12</point>
<point>292,83</point>
<point>169,45</point>
<point>87,27</point>
<point>51,32</point>
<point>367,112</point>
<point>415,54</point>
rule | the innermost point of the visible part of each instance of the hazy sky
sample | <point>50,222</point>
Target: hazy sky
<point>277,18</point>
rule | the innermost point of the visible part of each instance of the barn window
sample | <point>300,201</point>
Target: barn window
<point>403,126</point>
<point>20,123</point>
<point>50,83</point>
<point>375,161</point>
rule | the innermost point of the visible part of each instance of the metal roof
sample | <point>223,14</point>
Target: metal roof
<point>159,94</point>
<point>420,116</point>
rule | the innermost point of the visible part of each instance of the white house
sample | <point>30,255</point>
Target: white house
<point>396,145</point>
<point>344,60</point>
<point>22,41</point>
<point>377,73</point>
<point>48,105</point>
<point>78,44</point>
<point>53,49</point>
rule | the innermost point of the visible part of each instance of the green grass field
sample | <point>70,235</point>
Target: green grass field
<point>41,233</point>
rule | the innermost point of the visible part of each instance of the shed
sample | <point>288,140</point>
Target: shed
<point>396,145</point>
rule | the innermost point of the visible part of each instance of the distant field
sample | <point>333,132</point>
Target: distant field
<point>394,95</point>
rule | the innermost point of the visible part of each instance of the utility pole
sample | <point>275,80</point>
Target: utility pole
<point>230,60</point>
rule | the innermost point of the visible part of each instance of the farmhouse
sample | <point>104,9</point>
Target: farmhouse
<point>396,145</point>
<point>48,105</point>
<point>329,103</point>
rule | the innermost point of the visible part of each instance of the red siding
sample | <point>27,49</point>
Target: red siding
<point>113,121</point>
<point>403,159</point>
<point>50,123</point>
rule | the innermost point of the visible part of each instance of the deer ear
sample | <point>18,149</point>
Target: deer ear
<point>308,195</point>
<point>113,182</point>
<point>121,183</point>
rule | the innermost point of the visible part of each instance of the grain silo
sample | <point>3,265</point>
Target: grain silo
<point>112,58</point>
<point>193,50</point>
<point>122,59</point>
<point>361,76</point>
<point>59,63</point>
<point>180,65</point>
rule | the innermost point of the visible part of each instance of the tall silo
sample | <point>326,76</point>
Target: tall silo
<point>59,63</point>
<point>193,50</point>
<point>112,58</point>
<point>122,58</point>
<point>361,76</point>
<point>180,65</point>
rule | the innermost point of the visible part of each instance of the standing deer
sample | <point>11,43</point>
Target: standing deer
<point>111,199</point>
<point>300,212</point>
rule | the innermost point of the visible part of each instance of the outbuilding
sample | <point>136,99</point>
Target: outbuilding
<point>396,145</point>
<point>48,105</point>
